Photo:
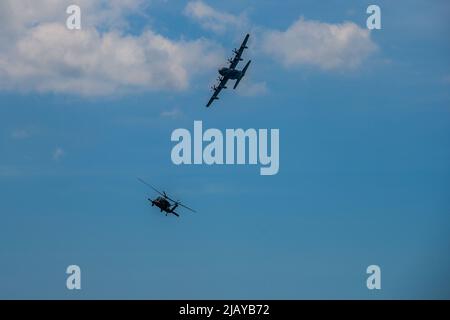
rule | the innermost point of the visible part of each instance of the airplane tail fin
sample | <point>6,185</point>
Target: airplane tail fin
<point>242,74</point>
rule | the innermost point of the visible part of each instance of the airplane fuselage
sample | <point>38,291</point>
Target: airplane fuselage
<point>232,74</point>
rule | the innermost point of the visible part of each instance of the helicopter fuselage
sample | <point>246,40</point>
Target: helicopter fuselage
<point>162,204</point>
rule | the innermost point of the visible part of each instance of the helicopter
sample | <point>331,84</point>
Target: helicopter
<point>164,202</point>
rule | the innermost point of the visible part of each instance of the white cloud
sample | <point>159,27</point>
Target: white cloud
<point>9,171</point>
<point>58,153</point>
<point>212,19</point>
<point>174,113</point>
<point>42,55</point>
<point>38,53</point>
<point>306,42</point>
<point>16,16</point>
<point>20,134</point>
<point>251,89</point>
<point>328,46</point>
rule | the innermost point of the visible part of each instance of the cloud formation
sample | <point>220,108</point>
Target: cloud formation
<point>9,171</point>
<point>58,153</point>
<point>212,19</point>
<point>38,53</point>
<point>252,89</point>
<point>43,55</point>
<point>324,45</point>
<point>306,42</point>
<point>20,134</point>
<point>174,113</point>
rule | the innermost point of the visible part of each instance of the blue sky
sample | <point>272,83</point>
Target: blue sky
<point>364,151</point>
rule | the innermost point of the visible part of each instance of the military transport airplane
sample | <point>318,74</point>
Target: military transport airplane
<point>230,73</point>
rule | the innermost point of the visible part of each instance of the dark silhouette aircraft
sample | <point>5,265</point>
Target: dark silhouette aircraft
<point>164,203</point>
<point>230,73</point>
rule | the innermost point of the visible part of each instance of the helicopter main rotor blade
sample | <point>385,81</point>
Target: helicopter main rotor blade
<point>151,187</point>
<point>182,205</point>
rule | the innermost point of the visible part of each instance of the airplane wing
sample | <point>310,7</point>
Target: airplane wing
<point>222,85</point>
<point>238,53</point>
